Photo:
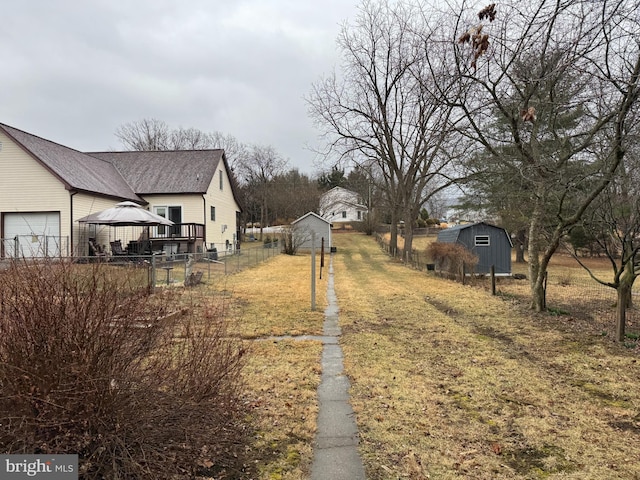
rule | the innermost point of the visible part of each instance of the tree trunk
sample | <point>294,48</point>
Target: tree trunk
<point>624,291</point>
<point>393,241</point>
<point>629,275</point>
<point>408,235</point>
<point>536,276</point>
<point>520,240</point>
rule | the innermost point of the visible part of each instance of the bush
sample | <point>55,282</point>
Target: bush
<point>91,365</point>
<point>450,258</point>
<point>291,237</point>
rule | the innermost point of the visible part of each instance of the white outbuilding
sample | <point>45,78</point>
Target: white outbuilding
<point>307,225</point>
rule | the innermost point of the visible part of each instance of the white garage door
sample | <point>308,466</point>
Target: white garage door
<point>32,234</point>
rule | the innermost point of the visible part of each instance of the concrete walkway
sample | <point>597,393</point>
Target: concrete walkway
<point>336,454</point>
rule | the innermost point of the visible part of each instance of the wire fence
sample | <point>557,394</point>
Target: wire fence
<point>575,296</point>
<point>152,271</point>
<point>570,293</point>
<point>418,259</point>
<point>35,246</point>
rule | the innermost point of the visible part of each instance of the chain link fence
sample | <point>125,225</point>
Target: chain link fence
<point>35,246</point>
<point>151,271</point>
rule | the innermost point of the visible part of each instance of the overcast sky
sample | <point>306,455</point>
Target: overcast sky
<point>74,70</point>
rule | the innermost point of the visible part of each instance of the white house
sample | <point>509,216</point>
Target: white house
<point>46,187</point>
<point>340,205</point>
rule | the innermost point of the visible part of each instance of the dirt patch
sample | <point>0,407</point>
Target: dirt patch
<point>441,306</point>
<point>538,462</point>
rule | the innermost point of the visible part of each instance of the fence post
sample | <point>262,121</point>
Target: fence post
<point>621,319</point>
<point>153,274</point>
<point>493,280</point>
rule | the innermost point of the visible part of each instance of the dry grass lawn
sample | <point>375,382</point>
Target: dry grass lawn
<point>449,382</point>
<point>273,299</point>
<point>570,291</point>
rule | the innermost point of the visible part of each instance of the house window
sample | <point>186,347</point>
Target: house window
<point>213,214</point>
<point>162,211</point>
<point>173,213</point>
<point>221,179</point>
<point>482,241</point>
<point>359,215</point>
<point>344,214</point>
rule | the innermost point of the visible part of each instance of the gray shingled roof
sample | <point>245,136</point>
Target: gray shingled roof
<point>77,170</point>
<point>157,172</point>
<point>183,171</point>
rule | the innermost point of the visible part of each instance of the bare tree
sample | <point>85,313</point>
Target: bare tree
<point>148,134</point>
<point>235,151</point>
<point>562,78</point>
<point>294,194</point>
<point>257,171</point>
<point>384,110</point>
<point>151,135</point>
<point>190,139</point>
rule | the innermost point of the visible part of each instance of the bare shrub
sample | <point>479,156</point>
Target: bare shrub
<point>565,279</point>
<point>93,366</point>
<point>451,257</point>
<point>291,237</point>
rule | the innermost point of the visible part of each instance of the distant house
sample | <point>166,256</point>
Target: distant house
<point>340,205</point>
<point>46,187</point>
<point>491,244</point>
<point>306,226</point>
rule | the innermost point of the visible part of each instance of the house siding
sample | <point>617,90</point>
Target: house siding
<point>83,205</point>
<point>27,186</point>
<point>226,211</point>
<point>338,200</point>
<point>191,205</point>
<point>191,210</point>
<point>196,208</point>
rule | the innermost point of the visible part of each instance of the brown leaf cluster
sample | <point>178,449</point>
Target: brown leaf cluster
<point>479,41</point>
<point>528,115</point>
<point>488,12</point>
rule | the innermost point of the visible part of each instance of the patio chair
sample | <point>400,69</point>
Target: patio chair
<point>117,250</point>
<point>95,249</point>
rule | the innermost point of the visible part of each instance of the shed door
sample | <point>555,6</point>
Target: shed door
<point>32,234</point>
